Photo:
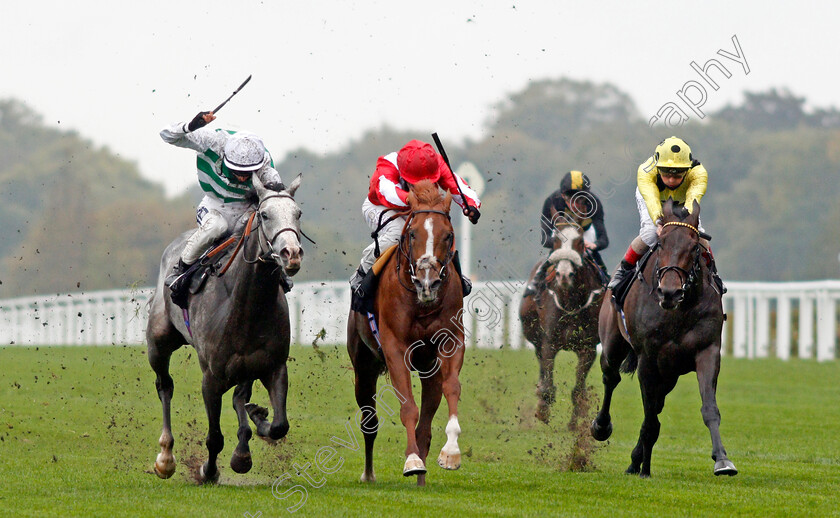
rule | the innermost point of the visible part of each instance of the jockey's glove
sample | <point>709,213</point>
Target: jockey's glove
<point>197,122</point>
<point>473,214</point>
<point>274,186</point>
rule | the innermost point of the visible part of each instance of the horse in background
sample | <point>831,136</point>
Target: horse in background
<point>564,316</point>
<point>239,327</point>
<point>671,325</point>
<point>418,318</point>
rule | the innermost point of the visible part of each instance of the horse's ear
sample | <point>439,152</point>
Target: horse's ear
<point>694,216</point>
<point>258,185</point>
<point>447,201</point>
<point>411,198</point>
<point>295,184</point>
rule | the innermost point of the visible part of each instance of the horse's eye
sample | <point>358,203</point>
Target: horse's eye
<point>264,215</point>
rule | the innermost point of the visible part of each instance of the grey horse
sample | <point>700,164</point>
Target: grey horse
<point>239,327</point>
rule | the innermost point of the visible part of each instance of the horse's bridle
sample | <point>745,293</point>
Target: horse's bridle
<point>687,278</point>
<point>442,272</point>
<point>266,255</point>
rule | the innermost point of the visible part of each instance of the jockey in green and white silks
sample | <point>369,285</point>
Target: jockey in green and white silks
<point>225,161</point>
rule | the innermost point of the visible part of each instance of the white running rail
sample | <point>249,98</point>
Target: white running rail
<point>764,319</point>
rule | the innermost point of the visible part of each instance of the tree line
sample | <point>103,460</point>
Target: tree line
<point>77,217</point>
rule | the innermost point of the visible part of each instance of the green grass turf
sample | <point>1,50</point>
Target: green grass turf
<point>79,429</point>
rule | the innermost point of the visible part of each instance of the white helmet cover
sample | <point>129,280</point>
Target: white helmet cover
<point>244,153</point>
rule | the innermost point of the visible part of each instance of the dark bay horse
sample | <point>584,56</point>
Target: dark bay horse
<point>418,308</point>
<point>239,327</point>
<point>674,317</point>
<point>564,316</point>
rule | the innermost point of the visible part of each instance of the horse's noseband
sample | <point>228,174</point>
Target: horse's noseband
<point>687,277</point>
<point>442,271</point>
<point>265,255</point>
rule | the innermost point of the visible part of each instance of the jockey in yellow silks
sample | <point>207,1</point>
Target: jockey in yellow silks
<point>672,172</point>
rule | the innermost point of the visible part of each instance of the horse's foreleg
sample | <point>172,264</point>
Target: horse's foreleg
<point>708,367</point>
<point>654,389</point>
<point>580,401</point>
<point>614,351</point>
<point>409,413</point>
<point>212,392</point>
<point>601,427</point>
<point>450,454</point>
<point>240,462</point>
<point>545,389</point>
<point>277,385</point>
<point>429,402</point>
<point>159,360</point>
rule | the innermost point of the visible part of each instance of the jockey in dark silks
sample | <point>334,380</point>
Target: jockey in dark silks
<point>575,200</point>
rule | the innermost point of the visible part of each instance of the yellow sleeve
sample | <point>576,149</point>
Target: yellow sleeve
<point>646,180</point>
<point>698,180</point>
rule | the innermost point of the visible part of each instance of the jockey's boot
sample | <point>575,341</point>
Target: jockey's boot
<point>286,282</point>
<point>624,269</point>
<point>356,282</point>
<point>175,278</point>
<point>178,282</point>
<point>466,284</point>
<point>538,283</point>
<point>710,262</point>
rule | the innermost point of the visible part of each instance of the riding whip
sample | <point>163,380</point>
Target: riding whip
<point>219,107</point>
<point>446,159</point>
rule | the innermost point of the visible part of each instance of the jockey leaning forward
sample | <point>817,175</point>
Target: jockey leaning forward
<point>672,172</point>
<point>388,192</point>
<point>226,161</point>
<point>573,201</point>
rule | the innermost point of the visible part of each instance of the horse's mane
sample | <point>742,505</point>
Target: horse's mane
<point>425,194</point>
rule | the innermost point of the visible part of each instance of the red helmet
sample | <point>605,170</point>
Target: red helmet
<point>418,161</point>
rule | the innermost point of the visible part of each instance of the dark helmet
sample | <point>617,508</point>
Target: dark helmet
<point>574,181</point>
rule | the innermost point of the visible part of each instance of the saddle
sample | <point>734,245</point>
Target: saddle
<point>362,299</point>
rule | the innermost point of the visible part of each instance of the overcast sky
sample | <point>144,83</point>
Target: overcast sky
<point>324,72</point>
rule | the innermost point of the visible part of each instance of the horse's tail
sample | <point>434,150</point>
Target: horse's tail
<point>628,366</point>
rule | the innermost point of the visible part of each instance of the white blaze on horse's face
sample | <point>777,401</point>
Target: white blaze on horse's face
<point>565,258</point>
<point>429,267</point>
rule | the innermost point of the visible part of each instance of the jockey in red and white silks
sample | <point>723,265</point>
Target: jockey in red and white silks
<point>388,191</point>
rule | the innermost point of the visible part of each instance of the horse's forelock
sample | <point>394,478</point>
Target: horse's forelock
<point>425,194</point>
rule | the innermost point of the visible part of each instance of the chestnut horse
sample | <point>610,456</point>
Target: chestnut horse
<point>674,317</point>
<point>418,309</point>
<point>564,316</point>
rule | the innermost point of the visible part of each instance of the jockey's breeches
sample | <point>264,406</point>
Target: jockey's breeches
<point>389,235</point>
<point>214,219</point>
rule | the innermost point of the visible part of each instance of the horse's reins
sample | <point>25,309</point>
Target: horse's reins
<point>407,254</point>
<point>593,295</point>
<point>686,277</point>
<point>261,256</point>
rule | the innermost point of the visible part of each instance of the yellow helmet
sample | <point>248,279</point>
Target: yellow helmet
<point>673,152</point>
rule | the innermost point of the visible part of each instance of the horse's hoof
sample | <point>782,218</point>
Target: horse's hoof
<point>164,466</point>
<point>632,470</point>
<point>204,478</point>
<point>543,413</point>
<point>367,478</point>
<point>256,412</point>
<point>451,460</point>
<point>241,463</point>
<point>600,433</point>
<point>725,467</point>
<point>413,466</point>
